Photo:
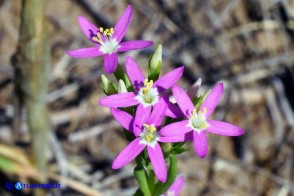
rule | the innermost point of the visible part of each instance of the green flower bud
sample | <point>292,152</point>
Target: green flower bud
<point>108,87</point>
<point>155,64</point>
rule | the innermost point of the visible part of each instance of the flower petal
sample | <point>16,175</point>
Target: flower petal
<point>200,143</point>
<point>128,154</point>
<point>174,111</point>
<point>141,117</point>
<point>134,72</point>
<point>157,161</point>
<point>134,45</point>
<point>169,79</point>
<point>123,118</point>
<point>176,128</point>
<point>223,128</point>
<point>87,27</point>
<point>212,99</point>
<point>110,62</point>
<point>176,187</point>
<point>119,100</point>
<point>158,112</point>
<point>122,24</point>
<point>183,100</point>
<point>177,138</point>
<point>85,52</point>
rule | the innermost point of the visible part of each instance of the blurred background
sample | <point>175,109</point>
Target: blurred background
<point>248,45</point>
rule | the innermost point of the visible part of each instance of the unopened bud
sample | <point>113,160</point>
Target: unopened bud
<point>155,64</point>
<point>108,87</point>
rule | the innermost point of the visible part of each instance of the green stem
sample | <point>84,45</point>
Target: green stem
<point>160,187</point>
<point>141,177</point>
<point>120,74</point>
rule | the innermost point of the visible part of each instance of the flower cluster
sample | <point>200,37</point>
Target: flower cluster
<point>155,127</point>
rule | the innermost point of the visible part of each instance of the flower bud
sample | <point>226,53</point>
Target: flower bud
<point>108,87</point>
<point>155,64</point>
<point>122,87</point>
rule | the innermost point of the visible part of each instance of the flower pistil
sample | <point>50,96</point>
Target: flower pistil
<point>197,120</point>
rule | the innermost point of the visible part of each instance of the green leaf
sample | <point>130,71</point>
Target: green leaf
<point>179,150</point>
<point>7,165</point>
<point>141,177</point>
<point>178,145</point>
<point>160,187</point>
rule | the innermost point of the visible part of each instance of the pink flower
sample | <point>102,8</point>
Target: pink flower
<point>145,126</point>
<point>197,122</point>
<point>147,93</point>
<point>108,41</point>
<point>176,187</point>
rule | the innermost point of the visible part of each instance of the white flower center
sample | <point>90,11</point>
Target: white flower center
<point>109,46</point>
<point>149,136</point>
<point>197,120</point>
<point>104,38</point>
<point>147,95</point>
<point>170,193</point>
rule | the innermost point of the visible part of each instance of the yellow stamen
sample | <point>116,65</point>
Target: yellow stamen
<point>101,29</point>
<point>204,110</point>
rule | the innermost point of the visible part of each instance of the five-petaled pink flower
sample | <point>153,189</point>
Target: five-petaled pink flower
<point>108,41</point>
<point>147,93</point>
<point>145,127</point>
<point>176,187</point>
<point>197,121</point>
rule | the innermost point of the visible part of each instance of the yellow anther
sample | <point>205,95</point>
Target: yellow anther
<point>95,39</point>
<point>111,30</point>
<point>145,90</point>
<point>199,112</point>
<point>204,110</point>
<point>152,128</point>
<point>101,29</point>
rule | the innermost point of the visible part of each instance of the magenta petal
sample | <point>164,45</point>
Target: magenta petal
<point>123,118</point>
<point>200,143</point>
<point>169,79</point>
<point>110,62</point>
<point>174,111</point>
<point>157,161</point>
<point>183,100</point>
<point>141,117</point>
<point>87,27</point>
<point>134,45</point>
<point>212,99</point>
<point>176,187</point>
<point>177,138</point>
<point>85,52</point>
<point>122,24</point>
<point>119,100</point>
<point>176,128</point>
<point>134,72</point>
<point>223,128</point>
<point>128,154</point>
<point>158,112</point>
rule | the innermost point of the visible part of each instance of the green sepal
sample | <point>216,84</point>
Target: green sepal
<point>141,177</point>
<point>160,187</point>
<point>197,101</point>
